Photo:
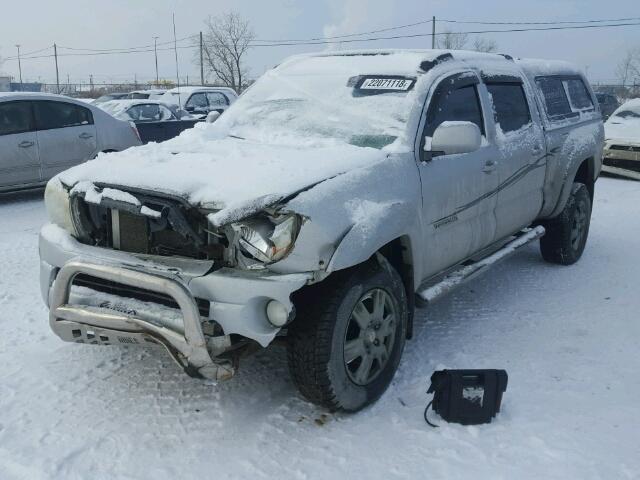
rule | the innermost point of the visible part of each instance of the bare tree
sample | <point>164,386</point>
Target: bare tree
<point>481,44</point>
<point>629,66</point>
<point>226,41</point>
<point>449,40</point>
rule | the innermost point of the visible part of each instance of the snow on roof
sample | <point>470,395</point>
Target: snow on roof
<point>6,96</point>
<point>537,66</point>
<point>187,90</point>
<point>150,91</point>
<point>370,61</point>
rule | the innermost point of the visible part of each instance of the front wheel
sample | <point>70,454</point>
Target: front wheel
<point>346,343</point>
<point>567,234</point>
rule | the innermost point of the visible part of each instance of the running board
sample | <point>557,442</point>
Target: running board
<point>466,273</point>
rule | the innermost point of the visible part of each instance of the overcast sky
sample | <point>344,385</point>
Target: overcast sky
<point>90,24</point>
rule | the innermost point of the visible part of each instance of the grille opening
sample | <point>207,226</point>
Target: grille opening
<point>621,163</point>
<point>625,148</point>
<point>120,290</point>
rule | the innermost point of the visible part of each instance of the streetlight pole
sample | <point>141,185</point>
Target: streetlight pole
<point>19,66</point>
<point>155,51</point>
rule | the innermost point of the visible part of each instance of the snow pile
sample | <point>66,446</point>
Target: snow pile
<point>92,195</point>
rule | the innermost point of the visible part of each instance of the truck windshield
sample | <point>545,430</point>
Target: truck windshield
<point>291,108</point>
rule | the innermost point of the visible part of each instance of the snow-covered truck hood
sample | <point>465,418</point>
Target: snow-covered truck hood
<point>234,176</point>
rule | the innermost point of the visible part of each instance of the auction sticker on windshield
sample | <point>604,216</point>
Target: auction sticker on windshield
<point>386,83</point>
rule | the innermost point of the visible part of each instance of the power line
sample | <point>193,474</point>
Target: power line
<point>350,34</point>
<point>29,53</point>
<point>423,22</point>
<point>418,35</point>
<point>556,22</point>
<point>339,39</point>
<point>129,48</point>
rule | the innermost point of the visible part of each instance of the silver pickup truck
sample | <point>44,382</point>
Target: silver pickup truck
<point>339,193</point>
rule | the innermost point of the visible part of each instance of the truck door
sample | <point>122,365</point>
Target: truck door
<point>458,191</point>
<point>519,139</point>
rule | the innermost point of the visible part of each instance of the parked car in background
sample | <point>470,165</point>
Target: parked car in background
<point>201,100</point>
<point>155,120</point>
<point>152,94</point>
<point>42,135</point>
<point>110,96</point>
<point>608,104</point>
<point>340,191</point>
<point>622,141</point>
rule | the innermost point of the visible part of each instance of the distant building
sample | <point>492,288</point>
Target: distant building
<point>5,84</point>
<point>26,87</point>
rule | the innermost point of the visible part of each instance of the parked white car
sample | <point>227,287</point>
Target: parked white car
<point>622,141</point>
<point>140,110</point>
<point>201,100</point>
<point>42,134</point>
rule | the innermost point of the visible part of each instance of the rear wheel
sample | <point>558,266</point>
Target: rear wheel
<point>567,234</point>
<point>346,343</point>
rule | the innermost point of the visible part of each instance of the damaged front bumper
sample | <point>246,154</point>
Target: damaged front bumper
<point>236,303</point>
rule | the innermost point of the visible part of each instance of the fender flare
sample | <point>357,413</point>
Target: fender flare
<point>365,238</point>
<point>567,184</point>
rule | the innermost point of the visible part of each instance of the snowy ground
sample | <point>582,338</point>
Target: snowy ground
<point>569,338</point>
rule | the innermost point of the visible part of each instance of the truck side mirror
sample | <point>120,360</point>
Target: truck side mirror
<point>454,138</point>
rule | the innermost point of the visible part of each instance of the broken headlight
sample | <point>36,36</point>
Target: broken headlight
<point>56,200</point>
<point>268,238</point>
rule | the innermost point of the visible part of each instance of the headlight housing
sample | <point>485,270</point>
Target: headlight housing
<point>268,239</point>
<point>56,200</point>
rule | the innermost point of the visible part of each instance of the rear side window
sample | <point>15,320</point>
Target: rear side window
<point>50,115</point>
<point>565,97</point>
<point>197,100</point>
<point>578,94</point>
<point>217,99</point>
<point>555,97</point>
<point>510,106</point>
<point>461,104</point>
<point>15,117</point>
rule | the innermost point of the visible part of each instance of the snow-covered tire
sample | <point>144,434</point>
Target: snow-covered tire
<point>567,234</point>
<point>348,314</point>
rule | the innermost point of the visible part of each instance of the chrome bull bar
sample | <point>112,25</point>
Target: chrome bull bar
<point>188,350</point>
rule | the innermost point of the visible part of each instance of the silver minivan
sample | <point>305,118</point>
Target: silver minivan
<point>43,134</point>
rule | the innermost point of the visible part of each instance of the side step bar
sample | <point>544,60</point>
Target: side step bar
<point>466,273</point>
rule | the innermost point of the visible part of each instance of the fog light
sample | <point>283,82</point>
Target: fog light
<point>277,314</point>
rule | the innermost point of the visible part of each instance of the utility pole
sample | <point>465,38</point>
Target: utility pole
<point>433,32</point>
<point>201,61</point>
<point>175,51</point>
<point>91,82</point>
<point>19,66</point>
<point>155,50</point>
<point>55,54</point>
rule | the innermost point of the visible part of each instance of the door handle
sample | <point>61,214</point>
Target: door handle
<point>490,166</point>
<point>26,144</point>
<point>85,135</point>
